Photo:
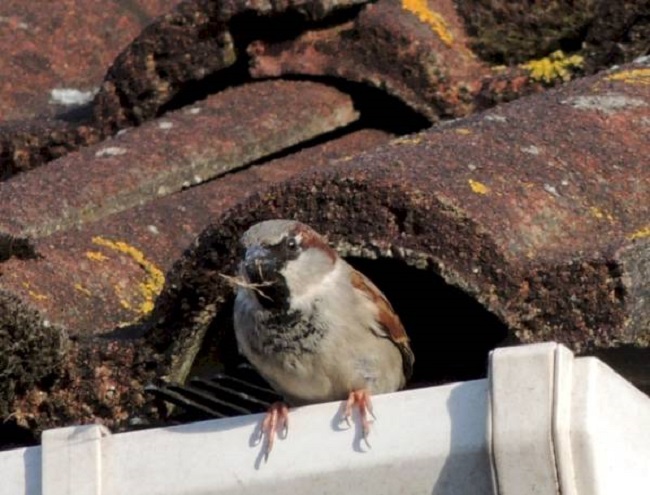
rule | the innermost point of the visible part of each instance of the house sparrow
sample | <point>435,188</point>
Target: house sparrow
<point>315,328</point>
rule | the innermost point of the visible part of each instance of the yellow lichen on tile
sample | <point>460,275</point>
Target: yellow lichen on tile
<point>632,76</point>
<point>463,131</point>
<point>82,289</point>
<point>37,296</point>
<point>556,66</point>
<point>33,293</point>
<point>154,279</point>
<point>409,139</point>
<point>478,187</point>
<point>600,214</point>
<point>96,256</point>
<point>421,9</point>
<point>640,234</point>
<point>123,300</point>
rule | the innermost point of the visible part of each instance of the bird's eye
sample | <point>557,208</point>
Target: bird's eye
<point>292,244</point>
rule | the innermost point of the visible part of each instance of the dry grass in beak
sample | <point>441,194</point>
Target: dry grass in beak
<point>239,281</point>
<point>258,264</point>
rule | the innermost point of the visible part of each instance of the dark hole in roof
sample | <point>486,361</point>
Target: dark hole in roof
<point>250,26</point>
<point>451,333</point>
<point>378,109</point>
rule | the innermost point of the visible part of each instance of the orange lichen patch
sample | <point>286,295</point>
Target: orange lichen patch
<point>421,9</point>
<point>478,187</point>
<point>96,256</point>
<point>557,66</point>
<point>632,76</point>
<point>149,288</point>
<point>642,233</point>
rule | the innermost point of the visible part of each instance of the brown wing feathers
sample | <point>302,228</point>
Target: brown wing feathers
<point>388,319</point>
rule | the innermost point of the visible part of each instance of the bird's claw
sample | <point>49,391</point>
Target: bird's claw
<point>360,399</point>
<point>275,423</point>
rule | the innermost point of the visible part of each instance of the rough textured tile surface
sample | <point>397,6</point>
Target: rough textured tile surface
<point>55,57</point>
<point>108,274</point>
<point>187,147</point>
<point>55,53</point>
<point>411,50</point>
<point>198,38</point>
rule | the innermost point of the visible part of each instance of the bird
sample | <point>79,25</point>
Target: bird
<point>314,327</point>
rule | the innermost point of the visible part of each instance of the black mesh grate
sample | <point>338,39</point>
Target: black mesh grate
<point>218,396</point>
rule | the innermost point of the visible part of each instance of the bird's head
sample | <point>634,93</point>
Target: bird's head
<point>284,260</point>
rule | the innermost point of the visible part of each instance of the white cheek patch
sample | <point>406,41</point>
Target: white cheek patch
<point>311,273</point>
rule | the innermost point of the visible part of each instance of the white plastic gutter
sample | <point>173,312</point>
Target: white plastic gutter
<point>542,423</point>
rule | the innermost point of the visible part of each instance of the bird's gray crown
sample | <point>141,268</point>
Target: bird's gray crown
<point>269,232</point>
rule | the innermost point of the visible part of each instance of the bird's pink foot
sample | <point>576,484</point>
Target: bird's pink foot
<point>361,400</point>
<point>275,423</point>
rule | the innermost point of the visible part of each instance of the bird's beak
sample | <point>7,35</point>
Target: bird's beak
<point>259,265</point>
